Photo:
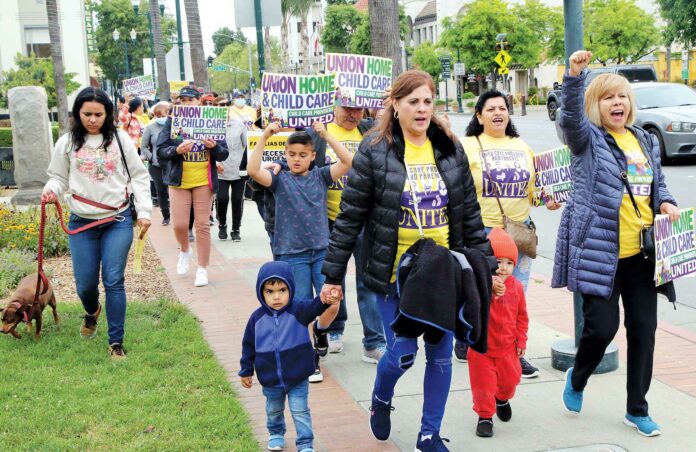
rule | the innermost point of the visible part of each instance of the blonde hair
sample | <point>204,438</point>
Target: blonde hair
<point>600,87</point>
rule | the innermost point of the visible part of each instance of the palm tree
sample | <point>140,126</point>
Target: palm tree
<point>198,60</point>
<point>384,31</point>
<point>284,45</point>
<point>267,47</point>
<point>162,84</point>
<point>301,8</point>
<point>58,69</point>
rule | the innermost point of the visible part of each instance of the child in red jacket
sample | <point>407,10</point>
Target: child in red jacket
<point>495,374</point>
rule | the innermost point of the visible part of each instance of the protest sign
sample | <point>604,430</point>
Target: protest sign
<point>192,122</point>
<point>275,146</point>
<point>143,86</point>
<point>297,100</point>
<point>675,248</point>
<point>553,176</point>
<point>360,79</point>
<point>176,85</point>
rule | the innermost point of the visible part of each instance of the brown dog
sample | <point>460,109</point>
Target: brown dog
<point>22,308</point>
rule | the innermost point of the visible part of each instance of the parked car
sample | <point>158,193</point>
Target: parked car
<point>633,72</point>
<point>668,111</point>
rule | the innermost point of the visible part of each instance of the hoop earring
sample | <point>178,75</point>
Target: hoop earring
<point>396,114</point>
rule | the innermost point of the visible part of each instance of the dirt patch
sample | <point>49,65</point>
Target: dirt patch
<point>151,284</point>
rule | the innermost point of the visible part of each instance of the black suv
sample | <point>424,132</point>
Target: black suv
<point>633,72</point>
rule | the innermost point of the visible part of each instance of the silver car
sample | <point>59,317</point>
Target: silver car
<point>668,111</point>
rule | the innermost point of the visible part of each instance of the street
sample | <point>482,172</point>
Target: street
<point>537,131</point>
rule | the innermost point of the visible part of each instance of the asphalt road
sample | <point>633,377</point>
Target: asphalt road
<point>540,134</point>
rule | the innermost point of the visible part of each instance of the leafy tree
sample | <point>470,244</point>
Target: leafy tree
<point>340,21</point>
<point>619,31</point>
<point>681,20</point>
<point>555,48</point>
<point>236,54</point>
<point>533,31</point>
<point>34,72</point>
<point>221,38</point>
<point>425,57</point>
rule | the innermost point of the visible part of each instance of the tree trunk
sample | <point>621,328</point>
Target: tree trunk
<point>284,45</point>
<point>267,48</point>
<point>198,60</point>
<point>162,83</point>
<point>304,46</point>
<point>384,31</point>
<point>58,69</point>
<point>668,60</point>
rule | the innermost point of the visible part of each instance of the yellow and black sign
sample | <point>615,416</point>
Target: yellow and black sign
<point>502,59</point>
<point>503,70</point>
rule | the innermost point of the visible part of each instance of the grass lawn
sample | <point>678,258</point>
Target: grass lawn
<point>65,393</point>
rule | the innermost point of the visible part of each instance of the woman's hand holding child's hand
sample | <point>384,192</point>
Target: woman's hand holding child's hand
<point>247,382</point>
<point>498,286</point>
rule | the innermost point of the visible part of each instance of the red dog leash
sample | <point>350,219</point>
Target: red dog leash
<point>42,226</point>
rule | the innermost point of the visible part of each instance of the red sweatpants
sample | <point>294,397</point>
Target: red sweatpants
<point>492,378</point>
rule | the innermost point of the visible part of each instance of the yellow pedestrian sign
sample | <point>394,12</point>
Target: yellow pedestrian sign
<point>503,70</point>
<point>502,58</point>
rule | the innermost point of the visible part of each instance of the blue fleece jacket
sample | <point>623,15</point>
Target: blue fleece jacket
<point>276,343</point>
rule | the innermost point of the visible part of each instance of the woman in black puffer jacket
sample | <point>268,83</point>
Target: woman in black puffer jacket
<point>379,198</point>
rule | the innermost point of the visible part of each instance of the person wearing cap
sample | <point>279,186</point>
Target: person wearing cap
<point>349,127</point>
<point>232,171</point>
<point>208,99</point>
<point>187,168</point>
<point>494,375</point>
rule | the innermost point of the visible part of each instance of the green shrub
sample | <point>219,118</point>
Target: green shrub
<point>532,92</point>
<point>14,265</point>
<point>471,104</point>
<point>20,230</point>
<point>6,136</point>
<point>468,95</point>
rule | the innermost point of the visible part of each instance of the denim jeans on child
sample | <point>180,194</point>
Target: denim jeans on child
<point>104,247</point>
<point>299,408</point>
<point>306,268</point>
<point>400,356</point>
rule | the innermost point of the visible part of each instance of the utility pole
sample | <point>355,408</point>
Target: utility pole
<point>180,42</point>
<point>259,38</point>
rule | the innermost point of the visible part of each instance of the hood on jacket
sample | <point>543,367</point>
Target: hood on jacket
<point>275,269</point>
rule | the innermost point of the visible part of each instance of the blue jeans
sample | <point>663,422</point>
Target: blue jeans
<point>104,247</point>
<point>306,269</point>
<point>373,331</point>
<point>524,264</point>
<point>299,408</point>
<point>400,356</point>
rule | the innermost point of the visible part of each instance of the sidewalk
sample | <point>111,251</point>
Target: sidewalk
<point>339,404</point>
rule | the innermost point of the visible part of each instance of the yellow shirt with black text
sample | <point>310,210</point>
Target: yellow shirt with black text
<point>432,196</point>
<point>351,140</point>
<point>640,177</point>
<point>195,167</point>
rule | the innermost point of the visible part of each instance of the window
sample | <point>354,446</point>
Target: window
<point>37,42</point>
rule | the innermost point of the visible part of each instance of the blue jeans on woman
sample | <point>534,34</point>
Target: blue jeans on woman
<point>104,247</point>
<point>299,408</point>
<point>400,356</point>
<point>306,269</point>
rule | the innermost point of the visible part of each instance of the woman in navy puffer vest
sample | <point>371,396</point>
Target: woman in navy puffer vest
<point>598,247</point>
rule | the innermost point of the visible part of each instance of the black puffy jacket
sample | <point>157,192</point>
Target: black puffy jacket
<point>372,198</point>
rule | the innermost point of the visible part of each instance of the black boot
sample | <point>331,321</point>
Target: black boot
<point>222,235</point>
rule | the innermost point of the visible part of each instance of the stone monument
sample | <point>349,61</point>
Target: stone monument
<point>32,142</point>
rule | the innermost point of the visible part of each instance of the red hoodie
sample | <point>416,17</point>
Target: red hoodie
<point>508,320</point>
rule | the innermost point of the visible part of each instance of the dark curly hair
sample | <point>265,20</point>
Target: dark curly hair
<point>475,128</point>
<point>78,132</point>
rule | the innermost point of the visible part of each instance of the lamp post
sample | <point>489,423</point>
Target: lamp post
<point>117,35</point>
<point>136,9</point>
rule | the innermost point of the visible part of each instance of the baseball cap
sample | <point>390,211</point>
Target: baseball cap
<point>189,91</point>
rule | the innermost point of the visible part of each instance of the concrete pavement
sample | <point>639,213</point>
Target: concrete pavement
<point>539,422</point>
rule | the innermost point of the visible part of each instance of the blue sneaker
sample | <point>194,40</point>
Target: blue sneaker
<point>276,442</point>
<point>380,418</point>
<point>645,425</point>
<point>431,443</point>
<point>572,399</point>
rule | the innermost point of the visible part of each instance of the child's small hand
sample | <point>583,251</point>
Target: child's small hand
<point>498,286</point>
<point>271,130</point>
<point>520,352</point>
<point>247,382</point>
<point>331,294</point>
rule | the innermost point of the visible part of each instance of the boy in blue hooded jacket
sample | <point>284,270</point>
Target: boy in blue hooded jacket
<point>277,346</point>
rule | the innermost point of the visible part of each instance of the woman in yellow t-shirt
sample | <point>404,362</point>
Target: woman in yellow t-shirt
<point>509,164</point>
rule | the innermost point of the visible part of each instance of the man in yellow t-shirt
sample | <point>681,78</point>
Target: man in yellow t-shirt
<point>348,127</point>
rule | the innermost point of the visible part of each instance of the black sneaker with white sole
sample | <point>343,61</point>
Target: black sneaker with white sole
<point>528,371</point>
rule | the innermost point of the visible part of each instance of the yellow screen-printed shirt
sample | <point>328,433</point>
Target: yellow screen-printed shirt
<point>640,177</point>
<point>195,169</point>
<point>351,140</point>
<point>432,196</point>
<point>510,164</point>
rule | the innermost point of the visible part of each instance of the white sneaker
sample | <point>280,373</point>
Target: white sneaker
<point>335,343</point>
<point>182,267</point>
<point>201,277</point>
<point>316,377</point>
<point>373,356</point>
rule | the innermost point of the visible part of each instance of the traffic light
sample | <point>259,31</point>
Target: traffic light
<point>253,82</point>
<point>210,61</point>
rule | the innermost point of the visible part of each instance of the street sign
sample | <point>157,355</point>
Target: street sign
<point>502,58</point>
<point>504,70</point>
<point>245,13</point>
<point>446,63</point>
<point>459,69</point>
<point>219,68</point>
